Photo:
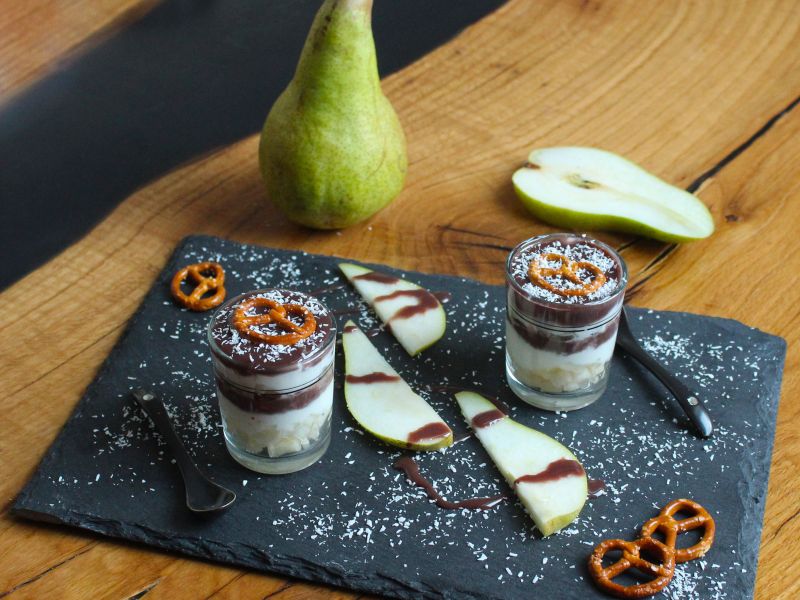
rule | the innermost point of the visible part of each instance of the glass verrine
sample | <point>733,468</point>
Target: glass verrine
<point>275,399</point>
<point>564,297</point>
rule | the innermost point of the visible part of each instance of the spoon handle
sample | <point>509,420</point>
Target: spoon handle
<point>155,409</point>
<point>689,401</point>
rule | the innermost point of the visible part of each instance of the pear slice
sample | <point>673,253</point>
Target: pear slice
<point>588,188</point>
<point>559,487</point>
<point>383,403</point>
<point>413,314</point>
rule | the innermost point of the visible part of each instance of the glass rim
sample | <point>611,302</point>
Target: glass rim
<point>621,285</point>
<point>216,351</point>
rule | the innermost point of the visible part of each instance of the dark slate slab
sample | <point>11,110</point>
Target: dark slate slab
<point>351,520</point>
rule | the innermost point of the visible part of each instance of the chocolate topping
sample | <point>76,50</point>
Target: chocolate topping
<point>409,466</point>
<point>542,305</point>
<point>575,249</point>
<point>250,357</point>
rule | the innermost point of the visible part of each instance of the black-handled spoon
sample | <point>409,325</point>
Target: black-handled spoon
<point>202,494</point>
<point>689,401</point>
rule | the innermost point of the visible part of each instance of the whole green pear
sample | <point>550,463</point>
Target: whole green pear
<point>332,150</point>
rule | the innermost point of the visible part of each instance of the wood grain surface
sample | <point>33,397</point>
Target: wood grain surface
<point>701,93</point>
<point>36,35</point>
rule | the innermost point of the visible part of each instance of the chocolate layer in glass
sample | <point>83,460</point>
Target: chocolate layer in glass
<point>562,321</point>
<point>275,399</point>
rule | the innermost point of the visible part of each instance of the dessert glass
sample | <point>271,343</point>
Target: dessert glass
<point>559,338</point>
<point>275,399</point>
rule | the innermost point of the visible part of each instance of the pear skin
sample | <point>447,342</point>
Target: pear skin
<point>332,149</point>
<point>589,188</point>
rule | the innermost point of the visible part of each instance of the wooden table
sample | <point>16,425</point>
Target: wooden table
<point>702,93</point>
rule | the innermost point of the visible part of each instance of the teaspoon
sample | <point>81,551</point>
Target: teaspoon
<point>202,494</point>
<point>689,401</point>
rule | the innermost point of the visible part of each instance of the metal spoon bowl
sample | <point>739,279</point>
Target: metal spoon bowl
<point>202,494</point>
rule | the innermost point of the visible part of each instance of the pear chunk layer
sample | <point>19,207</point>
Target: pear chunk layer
<point>383,403</point>
<point>589,188</point>
<point>556,486</point>
<point>414,315</point>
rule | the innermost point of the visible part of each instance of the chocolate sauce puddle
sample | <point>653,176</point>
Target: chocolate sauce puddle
<point>431,431</point>
<point>558,469</point>
<point>376,377</point>
<point>596,486</point>
<point>411,469</point>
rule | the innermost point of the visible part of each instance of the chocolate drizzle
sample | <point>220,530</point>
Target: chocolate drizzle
<point>558,469</point>
<point>487,418</point>
<point>377,277</point>
<point>425,301</point>
<point>350,328</point>
<point>376,377</point>
<point>431,431</point>
<point>411,469</point>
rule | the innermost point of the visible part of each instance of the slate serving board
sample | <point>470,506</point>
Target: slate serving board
<point>353,521</point>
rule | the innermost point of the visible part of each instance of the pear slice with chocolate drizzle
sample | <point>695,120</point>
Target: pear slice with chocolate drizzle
<point>414,315</point>
<point>383,403</point>
<point>545,475</point>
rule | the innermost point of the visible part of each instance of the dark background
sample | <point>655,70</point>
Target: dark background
<point>187,77</point>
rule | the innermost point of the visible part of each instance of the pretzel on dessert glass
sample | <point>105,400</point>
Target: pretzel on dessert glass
<point>568,269</point>
<point>669,527</point>
<point>273,353</point>
<point>564,294</point>
<point>279,315</point>
<point>661,571</point>
<point>207,277</point>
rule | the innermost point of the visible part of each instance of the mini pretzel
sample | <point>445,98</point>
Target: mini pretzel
<point>277,314</point>
<point>568,269</point>
<point>203,284</point>
<point>671,527</point>
<point>662,572</point>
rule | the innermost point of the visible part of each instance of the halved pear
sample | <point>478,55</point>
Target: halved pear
<point>383,403</point>
<point>413,314</point>
<point>589,188</point>
<point>518,451</point>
